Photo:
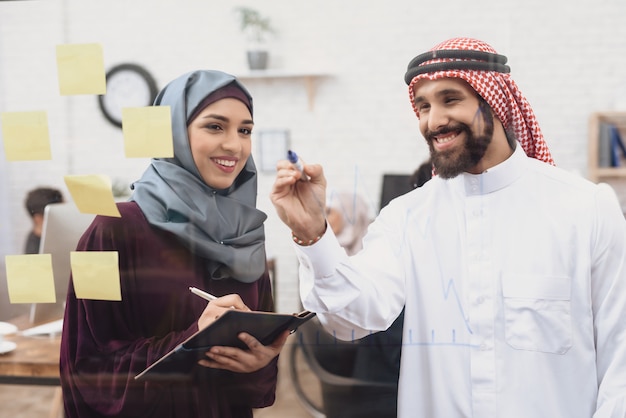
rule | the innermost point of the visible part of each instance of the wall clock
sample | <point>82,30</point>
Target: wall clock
<point>128,85</point>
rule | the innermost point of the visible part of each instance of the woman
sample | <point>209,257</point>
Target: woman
<point>191,221</point>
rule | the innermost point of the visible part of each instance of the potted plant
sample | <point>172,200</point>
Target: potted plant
<point>256,29</point>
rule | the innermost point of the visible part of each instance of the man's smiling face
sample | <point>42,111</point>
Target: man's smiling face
<point>456,124</point>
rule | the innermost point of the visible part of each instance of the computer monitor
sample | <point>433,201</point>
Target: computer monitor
<point>394,185</point>
<point>63,225</point>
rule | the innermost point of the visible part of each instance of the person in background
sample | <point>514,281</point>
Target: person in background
<point>348,215</point>
<point>191,221</point>
<point>511,271</point>
<point>422,174</point>
<point>35,203</point>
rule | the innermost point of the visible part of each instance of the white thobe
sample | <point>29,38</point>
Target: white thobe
<point>514,288</point>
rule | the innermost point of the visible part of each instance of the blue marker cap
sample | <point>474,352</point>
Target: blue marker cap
<point>295,160</point>
<point>292,157</point>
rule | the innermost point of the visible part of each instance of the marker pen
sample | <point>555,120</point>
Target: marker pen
<point>297,162</point>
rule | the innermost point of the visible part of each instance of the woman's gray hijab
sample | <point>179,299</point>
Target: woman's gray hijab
<point>222,226</point>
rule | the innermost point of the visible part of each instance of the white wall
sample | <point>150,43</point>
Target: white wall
<point>568,59</point>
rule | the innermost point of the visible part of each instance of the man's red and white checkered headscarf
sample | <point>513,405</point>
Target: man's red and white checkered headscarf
<point>491,81</point>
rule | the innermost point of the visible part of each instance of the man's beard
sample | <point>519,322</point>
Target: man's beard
<point>451,163</point>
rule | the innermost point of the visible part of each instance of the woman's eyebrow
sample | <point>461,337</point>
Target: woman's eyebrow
<point>225,119</point>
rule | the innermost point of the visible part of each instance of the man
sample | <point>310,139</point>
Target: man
<point>512,272</point>
<point>35,203</point>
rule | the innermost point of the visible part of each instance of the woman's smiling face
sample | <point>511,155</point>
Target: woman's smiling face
<point>220,141</point>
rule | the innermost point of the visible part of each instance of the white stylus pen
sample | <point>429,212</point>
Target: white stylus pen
<point>202,294</point>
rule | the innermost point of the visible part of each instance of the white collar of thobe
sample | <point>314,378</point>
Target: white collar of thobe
<point>494,178</point>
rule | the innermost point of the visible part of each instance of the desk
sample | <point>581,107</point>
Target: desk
<point>35,361</point>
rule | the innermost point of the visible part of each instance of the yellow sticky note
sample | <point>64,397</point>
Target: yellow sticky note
<point>147,132</point>
<point>81,69</point>
<point>92,194</point>
<point>96,275</point>
<point>30,278</point>
<point>26,136</point>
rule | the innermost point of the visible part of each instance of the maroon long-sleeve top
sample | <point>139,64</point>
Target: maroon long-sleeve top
<point>106,343</point>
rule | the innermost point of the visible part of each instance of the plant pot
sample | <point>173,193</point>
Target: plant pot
<point>257,60</point>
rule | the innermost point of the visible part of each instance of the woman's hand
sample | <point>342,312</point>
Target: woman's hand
<point>244,361</point>
<point>217,307</point>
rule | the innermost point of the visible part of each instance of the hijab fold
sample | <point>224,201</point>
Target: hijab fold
<point>222,226</point>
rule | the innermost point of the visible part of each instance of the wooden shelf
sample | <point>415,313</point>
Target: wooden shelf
<point>604,172</point>
<point>595,172</point>
<point>310,79</point>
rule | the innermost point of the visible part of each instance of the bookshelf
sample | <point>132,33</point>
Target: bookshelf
<point>603,172</point>
<point>596,171</point>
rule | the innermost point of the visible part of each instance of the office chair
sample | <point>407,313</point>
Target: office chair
<point>332,361</point>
